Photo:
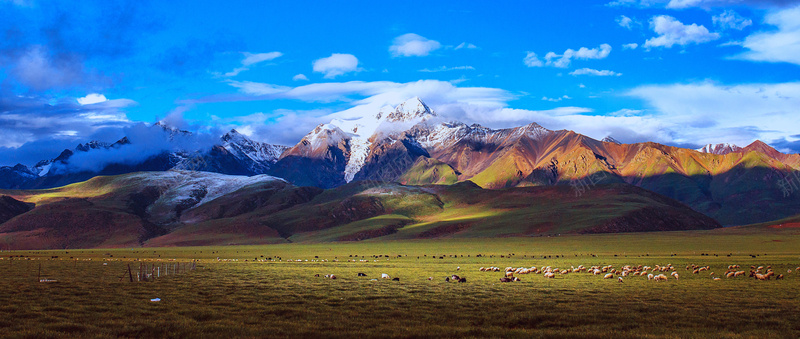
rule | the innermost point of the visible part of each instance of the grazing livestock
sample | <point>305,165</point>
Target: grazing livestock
<point>779,277</point>
<point>516,279</point>
<point>504,279</point>
<point>462,280</point>
<point>395,279</point>
<point>619,279</point>
<point>716,279</point>
<point>362,275</point>
<point>509,274</point>
<point>650,276</point>
<point>608,276</point>
<point>550,275</point>
<point>385,276</point>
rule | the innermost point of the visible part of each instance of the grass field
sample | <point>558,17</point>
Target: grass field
<point>263,291</point>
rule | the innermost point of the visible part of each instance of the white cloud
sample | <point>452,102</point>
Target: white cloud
<point>703,113</point>
<point>336,64</point>
<point>625,21</point>
<point>563,60</point>
<point>621,3</point>
<point>556,99</point>
<point>300,77</point>
<point>531,60</point>
<point>678,4</point>
<point>632,45</point>
<point>486,106</point>
<point>589,71</point>
<point>582,86</point>
<point>731,19</point>
<point>251,58</point>
<point>30,119</point>
<point>626,112</point>
<point>258,88</point>
<point>671,32</point>
<point>411,44</point>
<point>705,4</point>
<point>445,69</point>
<point>679,114</point>
<point>465,45</point>
<point>92,98</point>
<point>782,45</point>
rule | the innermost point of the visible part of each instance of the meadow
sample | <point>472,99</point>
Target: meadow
<point>272,290</point>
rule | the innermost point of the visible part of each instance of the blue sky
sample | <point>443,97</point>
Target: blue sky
<point>679,72</point>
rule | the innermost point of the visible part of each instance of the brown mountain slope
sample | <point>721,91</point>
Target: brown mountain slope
<point>146,209</point>
<point>10,207</point>
<point>738,187</point>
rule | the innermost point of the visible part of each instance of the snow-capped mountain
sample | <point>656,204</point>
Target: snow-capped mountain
<point>719,149</point>
<point>234,154</point>
<point>387,123</point>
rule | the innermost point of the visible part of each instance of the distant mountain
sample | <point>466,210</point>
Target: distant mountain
<point>234,154</point>
<point>719,149</point>
<point>185,208</point>
<point>732,184</point>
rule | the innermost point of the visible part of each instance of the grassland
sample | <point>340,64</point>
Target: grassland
<point>263,291</point>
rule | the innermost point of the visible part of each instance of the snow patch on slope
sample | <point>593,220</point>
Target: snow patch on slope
<point>184,186</point>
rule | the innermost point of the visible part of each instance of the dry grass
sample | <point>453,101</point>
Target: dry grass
<point>283,298</point>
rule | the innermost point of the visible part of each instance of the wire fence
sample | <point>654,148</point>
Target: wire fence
<point>25,270</point>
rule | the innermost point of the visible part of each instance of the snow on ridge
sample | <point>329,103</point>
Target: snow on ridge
<point>242,146</point>
<point>722,148</point>
<point>182,184</point>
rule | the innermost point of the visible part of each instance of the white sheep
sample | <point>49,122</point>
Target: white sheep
<point>385,276</point>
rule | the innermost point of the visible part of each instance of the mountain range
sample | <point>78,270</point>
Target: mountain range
<point>411,145</point>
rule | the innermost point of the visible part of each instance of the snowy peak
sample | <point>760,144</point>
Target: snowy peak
<point>411,109</point>
<point>173,131</point>
<point>719,149</point>
<point>611,140</point>
<point>234,137</point>
<point>245,148</point>
<point>94,144</point>
<point>324,135</point>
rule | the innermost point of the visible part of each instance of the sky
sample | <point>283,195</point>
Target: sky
<point>679,72</point>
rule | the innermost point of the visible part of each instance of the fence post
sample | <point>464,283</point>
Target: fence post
<point>130,274</point>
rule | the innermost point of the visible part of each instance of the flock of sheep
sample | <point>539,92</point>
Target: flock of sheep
<point>655,273</point>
